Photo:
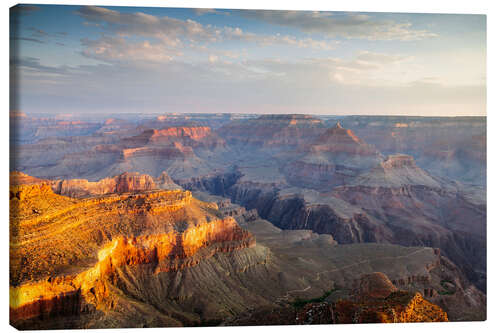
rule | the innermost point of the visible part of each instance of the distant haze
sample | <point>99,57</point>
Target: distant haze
<point>72,59</point>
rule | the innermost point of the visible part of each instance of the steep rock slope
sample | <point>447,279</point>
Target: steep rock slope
<point>334,158</point>
<point>125,182</point>
<point>451,147</point>
<point>395,171</point>
<point>89,256</point>
<point>409,270</point>
<point>378,302</point>
<point>282,131</point>
<point>395,202</point>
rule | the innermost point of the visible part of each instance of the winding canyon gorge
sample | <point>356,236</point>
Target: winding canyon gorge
<point>242,219</point>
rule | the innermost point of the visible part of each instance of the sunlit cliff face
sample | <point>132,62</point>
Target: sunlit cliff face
<point>166,252</point>
<point>158,250</point>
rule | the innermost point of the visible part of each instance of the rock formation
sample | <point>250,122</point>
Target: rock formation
<point>395,171</point>
<point>77,188</point>
<point>380,302</point>
<point>273,130</point>
<point>447,147</point>
<point>65,252</point>
<point>385,209</point>
<point>334,158</point>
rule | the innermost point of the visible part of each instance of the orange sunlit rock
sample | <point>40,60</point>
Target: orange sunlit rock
<point>163,231</point>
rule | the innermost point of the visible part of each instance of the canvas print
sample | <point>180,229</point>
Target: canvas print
<point>200,167</point>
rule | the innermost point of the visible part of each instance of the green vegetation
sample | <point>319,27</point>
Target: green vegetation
<point>300,303</point>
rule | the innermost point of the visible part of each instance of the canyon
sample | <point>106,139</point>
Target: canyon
<point>187,220</point>
<point>90,262</point>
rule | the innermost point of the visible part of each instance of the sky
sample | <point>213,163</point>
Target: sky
<point>86,59</point>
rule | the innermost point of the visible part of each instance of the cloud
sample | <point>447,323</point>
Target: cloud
<point>37,36</point>
<point>166,29</point>
<point>367,69</point>
<point>204,11</point>
<point>111,49</point>
<point>32,65</point>
<point>172,30</point>
<point>169,34</point>
<point>346,25</point>
<point>29,39</point>
<point>38,32</point>
<point>277,39</point>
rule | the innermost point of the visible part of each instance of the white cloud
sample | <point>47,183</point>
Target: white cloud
<point>169,34</point>
<point>277,39</point>
<point>204,11</point>
<point>164,28</point>
<point>119,49</point>
<point>348,25</point>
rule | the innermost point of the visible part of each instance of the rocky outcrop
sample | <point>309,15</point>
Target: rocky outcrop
<point>195,136</point>
<point>398,307</point>
<point>126,182</point>
<point>399,161</point>
<point>165,182</point>
<point>174,151</point>
<point>341,140</point>
<point>194,133</point>
<point>163,252</point>
<point>78,188</point>
<point>396,171</point>
<point>61,305</point>
<point>157,232</point>
<point>375,285</point>
<point>375,299</point>
<point>19,178</point>
<point>380,302</point>
<point>319,174</point>
<point>50,232</point>
<point>273,131</point>
<point>334,158</point>
<point>216,184</point>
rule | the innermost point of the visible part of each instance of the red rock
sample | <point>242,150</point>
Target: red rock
<point>125,182</point>
<point>375,285</point>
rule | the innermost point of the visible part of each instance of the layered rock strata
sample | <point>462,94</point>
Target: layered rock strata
<point>68,255</point>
